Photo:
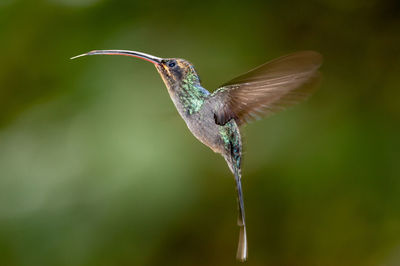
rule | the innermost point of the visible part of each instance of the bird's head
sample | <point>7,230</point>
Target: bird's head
<point>173,71</point>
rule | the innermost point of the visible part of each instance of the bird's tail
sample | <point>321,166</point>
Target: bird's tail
<point>233,156</point>
<point>242,245</point>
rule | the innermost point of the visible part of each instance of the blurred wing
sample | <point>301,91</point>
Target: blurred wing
<point>268,88</point>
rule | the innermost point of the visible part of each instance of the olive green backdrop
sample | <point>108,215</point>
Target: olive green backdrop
<point>96,167</point>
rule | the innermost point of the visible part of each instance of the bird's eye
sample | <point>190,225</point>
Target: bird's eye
<point>171,64</point>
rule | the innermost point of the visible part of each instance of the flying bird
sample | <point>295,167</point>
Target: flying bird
<point>215,118</point>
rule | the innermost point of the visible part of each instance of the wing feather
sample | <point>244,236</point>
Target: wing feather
<point>268,88</point>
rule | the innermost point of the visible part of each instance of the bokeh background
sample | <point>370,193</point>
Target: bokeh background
<point>96,167</point>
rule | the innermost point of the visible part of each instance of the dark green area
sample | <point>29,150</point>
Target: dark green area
<point>96,167</point>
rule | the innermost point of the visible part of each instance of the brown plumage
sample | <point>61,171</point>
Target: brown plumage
<point>268,88</point>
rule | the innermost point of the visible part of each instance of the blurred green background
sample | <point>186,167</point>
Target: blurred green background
<point>96,167</point>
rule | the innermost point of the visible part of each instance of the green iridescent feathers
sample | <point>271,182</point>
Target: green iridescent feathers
<point>191,95</point>
<point>268,88</point>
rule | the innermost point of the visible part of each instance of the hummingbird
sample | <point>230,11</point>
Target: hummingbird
<point>215,118</point>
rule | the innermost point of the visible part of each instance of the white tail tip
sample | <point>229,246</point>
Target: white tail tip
<point>242,246</point>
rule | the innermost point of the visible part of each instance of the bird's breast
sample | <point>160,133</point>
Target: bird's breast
<point>202,126</point>
<point>198,115</point>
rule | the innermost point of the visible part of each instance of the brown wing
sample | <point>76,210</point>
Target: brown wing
<point>268,88</point>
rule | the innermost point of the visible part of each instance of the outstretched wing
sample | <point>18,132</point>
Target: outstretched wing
<point>268,88</point>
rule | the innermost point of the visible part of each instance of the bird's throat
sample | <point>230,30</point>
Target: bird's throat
<point>191,96</point>
<point>187,94</point>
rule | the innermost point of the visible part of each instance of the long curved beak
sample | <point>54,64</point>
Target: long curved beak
<point>150,58</point>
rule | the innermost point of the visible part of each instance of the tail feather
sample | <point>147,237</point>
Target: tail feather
<point>233,156</point>
<point>242,245</point>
